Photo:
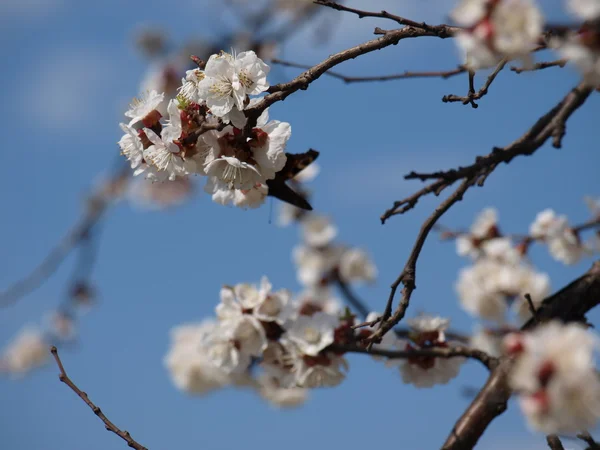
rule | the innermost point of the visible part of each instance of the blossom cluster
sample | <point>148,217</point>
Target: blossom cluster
<point>500,275</point>
<point>203,134</point>
<point>496,30</point>
<point>555,377</point>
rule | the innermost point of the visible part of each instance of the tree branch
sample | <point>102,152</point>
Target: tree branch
<point>382,15</point>
<point>438,352</point>
<point>569,304</point>
<point>554,442</point>
<point>472,95</point>
<point>108,424</point>
<point>540,66</point>
<point>399,76</point>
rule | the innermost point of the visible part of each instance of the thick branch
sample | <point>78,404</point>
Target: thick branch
<point>108,424</point>
<point>554,442</point>
<point>569,304</point>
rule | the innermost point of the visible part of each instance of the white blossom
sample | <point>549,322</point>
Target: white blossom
<point>585,9</point>
<point>312,334</point>
<point>484,227</point>
<point>313,264</point>
<point>555,377</point>
<point>581,49</point>
<point>27,351</point>
<point>132,148</point>
<point>230,78</point>
<point>318,299</point>
<point>144,109</point>
<point>489,287</point>
<point>563,243</point>
<point>497,29</point>
<point>143,193</point>
<point>188,361</point>
<point>318,231</point>
<point>355,266</point>
<point>281,397</point>
<point>327,371</point>
<point>426,371</point>
<point>189,85</point>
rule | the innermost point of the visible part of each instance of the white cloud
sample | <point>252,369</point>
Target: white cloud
<point>28,9</point>
<point>66,88</point>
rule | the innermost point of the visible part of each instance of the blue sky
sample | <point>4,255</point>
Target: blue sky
<point>70,67</point>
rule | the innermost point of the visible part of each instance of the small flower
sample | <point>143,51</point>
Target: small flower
<point>144,109</point>
<point>485,227</point>
<point>355,266</point>
<point>166,157</point>
<point>318,299</point>
<point>281,397</point>
<point>318,231</point>
<point>189,85</point>
<point>314,264</point>
<point>585,9</point>
<point>311,334</point>
<point>555,376</point>
<point>230,78</point>
<point>564,245</point>
<point>497,29</point>
<point>582,49</point>
<point>131,147</point>
<point>27,351</point>
<point>426,371</point>
<point>188,361</point>
<point>323,371</point>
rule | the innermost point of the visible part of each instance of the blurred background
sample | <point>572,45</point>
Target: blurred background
<point>69,71</point>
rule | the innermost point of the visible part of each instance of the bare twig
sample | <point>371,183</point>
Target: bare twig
<point>472,95</point>
<point>438,352</point>
<point>532,309</point>
<point>108,424</point>
<point>399,76</point>
<point>383,15</point>
<point>540,66</point>
<point>280,92</point>
<point>589,440</point>
<point>569,304</point>
<point>554,442</point>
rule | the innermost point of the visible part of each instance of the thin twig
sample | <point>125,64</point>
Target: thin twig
<point>472,95</point>
<point>586,437</point>
<point>108,424</point>
<point>438,352</point>
<point>532,309</point>
<point>399,76</point>
<point>383,15</point>
<point>540,66</point>
<point>547,126</point>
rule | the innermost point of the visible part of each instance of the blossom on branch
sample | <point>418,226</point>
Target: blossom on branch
<point>555,377</point>
<point>497,29</point>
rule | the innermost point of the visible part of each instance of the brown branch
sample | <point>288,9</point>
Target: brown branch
<point>554,442</point>
<point>438,352</point>
<point>540,66</point>
<point>569,304</point>
<point>589,440</point>
<point>472,95</point>
<point>280,92</point>
<point>408,275</point>
<point>382,15</point>
<point>399,76</point>
<point>551,124</point>
<point>108,424</point>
